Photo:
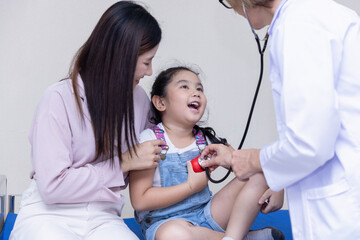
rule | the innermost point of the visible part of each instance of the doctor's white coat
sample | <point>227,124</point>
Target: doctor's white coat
<point>315,76</point>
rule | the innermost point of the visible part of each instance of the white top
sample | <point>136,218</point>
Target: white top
<point>149,134</point>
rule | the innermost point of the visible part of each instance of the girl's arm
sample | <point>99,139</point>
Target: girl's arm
<point>145,197</point>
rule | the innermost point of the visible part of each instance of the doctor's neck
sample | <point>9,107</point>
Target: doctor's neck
<point>271,10</point>
<point>260,16</point>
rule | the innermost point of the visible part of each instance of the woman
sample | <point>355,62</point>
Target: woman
<point>85,130</point>
<point>315,75</point>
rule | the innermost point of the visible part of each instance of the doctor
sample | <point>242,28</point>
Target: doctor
<point>315,75</point>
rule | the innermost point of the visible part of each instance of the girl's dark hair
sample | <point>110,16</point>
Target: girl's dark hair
<point>159,89</point>
<point>211,135</point>
<point>106,63</point>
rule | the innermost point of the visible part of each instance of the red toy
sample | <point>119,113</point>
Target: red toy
<point>196,164</point>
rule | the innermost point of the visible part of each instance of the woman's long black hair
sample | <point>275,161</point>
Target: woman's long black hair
<point>159,89</point>
<point>106,64</point>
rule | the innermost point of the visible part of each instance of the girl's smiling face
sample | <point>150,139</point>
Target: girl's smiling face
<point>185,101</point>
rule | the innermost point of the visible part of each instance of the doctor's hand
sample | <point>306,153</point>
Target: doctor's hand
<point>271,201</point>
<point>246,163</point>
<point>220,155</point>
<point>146,156</point>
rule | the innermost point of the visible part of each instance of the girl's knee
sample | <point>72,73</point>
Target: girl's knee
<point>258,180</point>
<point>175,230</point>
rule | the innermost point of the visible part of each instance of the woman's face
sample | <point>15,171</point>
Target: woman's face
<point>144,65</point>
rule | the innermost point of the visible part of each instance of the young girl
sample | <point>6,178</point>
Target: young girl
<point>174,202</point>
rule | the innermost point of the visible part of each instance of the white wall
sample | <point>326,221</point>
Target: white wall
<point>38,39</point>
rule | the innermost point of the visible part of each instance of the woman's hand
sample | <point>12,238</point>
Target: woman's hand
<point>219,155</point>
<point>196,181</point>
<point>271,201</point>
<point>146,156</point>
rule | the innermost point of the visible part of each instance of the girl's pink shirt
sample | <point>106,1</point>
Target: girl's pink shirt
<point>63,149</point>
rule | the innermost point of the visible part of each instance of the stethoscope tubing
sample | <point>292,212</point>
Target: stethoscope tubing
<point>261,52</point>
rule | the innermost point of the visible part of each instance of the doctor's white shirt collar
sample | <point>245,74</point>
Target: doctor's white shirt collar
<point>276,15</point>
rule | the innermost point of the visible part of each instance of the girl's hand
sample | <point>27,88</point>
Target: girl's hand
<point>271,201</point>
<point>146,156</point>
<point>196,181</point>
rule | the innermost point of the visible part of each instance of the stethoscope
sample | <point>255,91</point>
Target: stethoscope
<point>261,52</point>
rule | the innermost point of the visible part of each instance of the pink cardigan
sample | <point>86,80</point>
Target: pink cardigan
<point>63,148</point>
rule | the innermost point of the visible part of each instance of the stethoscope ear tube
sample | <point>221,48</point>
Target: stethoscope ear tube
<point>261,51</point>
